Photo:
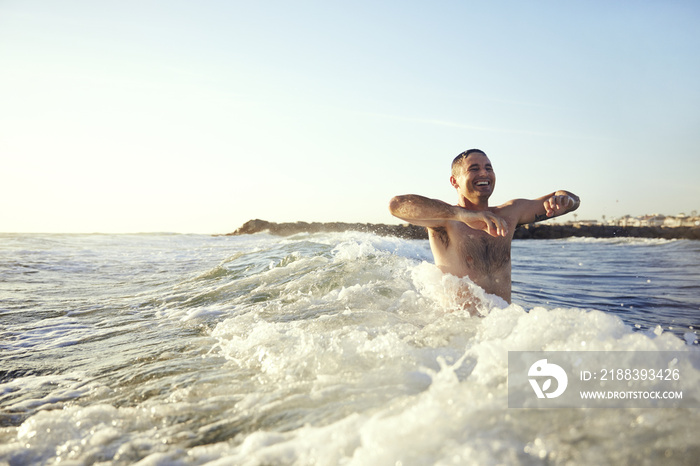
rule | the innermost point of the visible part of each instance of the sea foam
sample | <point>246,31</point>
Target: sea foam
<point>323,349</point>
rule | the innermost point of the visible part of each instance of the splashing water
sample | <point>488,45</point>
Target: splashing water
<point>323,349</point>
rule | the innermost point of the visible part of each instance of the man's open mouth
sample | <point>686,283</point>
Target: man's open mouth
<point>483,183</point>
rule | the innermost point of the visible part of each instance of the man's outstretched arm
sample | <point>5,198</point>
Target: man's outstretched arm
<point>433,213</point>
<point>552,205</point>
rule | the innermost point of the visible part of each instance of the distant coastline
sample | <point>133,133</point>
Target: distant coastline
<point>532,231</point>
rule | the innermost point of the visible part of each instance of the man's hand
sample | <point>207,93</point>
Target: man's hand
<point>559,204</point>
<point>484,220</point>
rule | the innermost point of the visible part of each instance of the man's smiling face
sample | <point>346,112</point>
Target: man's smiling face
<point>476,179</point>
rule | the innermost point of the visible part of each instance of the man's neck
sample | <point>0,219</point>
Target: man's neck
<point>478,204</point>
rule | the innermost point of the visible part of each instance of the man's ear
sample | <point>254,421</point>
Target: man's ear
<point>453,182</point>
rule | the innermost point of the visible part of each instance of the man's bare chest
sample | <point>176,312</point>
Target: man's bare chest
<point>473,250</point>
<point>483,253</point>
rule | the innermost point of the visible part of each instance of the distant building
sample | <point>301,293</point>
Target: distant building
<point>675,221</point>
<point>657,220</point>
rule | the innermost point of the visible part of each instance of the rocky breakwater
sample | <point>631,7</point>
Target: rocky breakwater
<point>293,228</point>
<point>553,231</point>
<point>532,231</point>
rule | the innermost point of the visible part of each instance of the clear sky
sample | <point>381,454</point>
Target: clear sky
<point>196,116</point>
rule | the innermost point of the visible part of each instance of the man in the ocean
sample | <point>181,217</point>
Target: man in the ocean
<point>472,239</point>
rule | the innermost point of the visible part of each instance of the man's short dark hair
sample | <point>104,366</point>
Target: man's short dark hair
<point>458,160</point>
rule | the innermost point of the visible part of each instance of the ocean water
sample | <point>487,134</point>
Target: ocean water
<point>329,349</point>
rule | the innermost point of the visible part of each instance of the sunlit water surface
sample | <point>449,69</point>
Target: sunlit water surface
<point>323,349</point>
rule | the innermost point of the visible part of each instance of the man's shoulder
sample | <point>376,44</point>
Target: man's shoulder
<point>514,206</point>
<point>521,210</point>
<point>514,210</point>
<point>513,203</point>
